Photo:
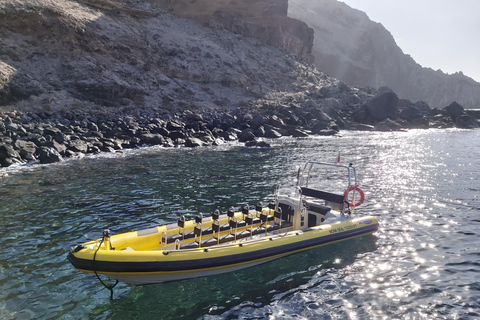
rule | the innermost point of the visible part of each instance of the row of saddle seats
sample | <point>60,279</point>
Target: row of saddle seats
<point>251,224</point>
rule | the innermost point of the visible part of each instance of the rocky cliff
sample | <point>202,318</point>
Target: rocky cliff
<point>352,48</point>
<point>92,76</point>
<point>265,20</point>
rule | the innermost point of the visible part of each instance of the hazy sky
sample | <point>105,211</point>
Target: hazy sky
<point>440,34</point>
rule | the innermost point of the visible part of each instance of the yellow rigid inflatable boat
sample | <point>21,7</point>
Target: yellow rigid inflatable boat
<point>231,241</point>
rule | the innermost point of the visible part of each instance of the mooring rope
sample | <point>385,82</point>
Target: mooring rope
<point>101,281</point>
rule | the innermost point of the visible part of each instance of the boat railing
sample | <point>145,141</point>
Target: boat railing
<point>162,238</point>
<point>305,175</point>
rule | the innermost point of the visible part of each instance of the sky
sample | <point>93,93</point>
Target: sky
<point>440,34</point>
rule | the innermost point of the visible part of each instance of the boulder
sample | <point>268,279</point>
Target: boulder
<point>454,110</point>
<point>176,134</point>
<point>383,105</point>
<point>7,151</point>
<point>26,146</point>
<point>409,112</point>
<point>246,135</point>
<point>60,147</point>
<point>9,161</point>
<point>48,155</point>
<point>77,146</point>
<point>152,139</point>
<point>175,125</point>
<point>465,121</point>
<point>275,121</point>
<point>296,132</point>
<point>258,144</point>
<point>319,126</point>
<point>387,125</point>
<point>272,133</point>
<point>193,142</point>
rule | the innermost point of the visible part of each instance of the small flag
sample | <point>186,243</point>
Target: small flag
<point>338,158</point>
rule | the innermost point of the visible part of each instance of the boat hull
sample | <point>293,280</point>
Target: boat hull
<point>140,267</point>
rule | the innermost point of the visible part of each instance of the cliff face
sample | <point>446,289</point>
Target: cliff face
<point>90,54</point>
<point>265,20</point>
<point>352,48</point>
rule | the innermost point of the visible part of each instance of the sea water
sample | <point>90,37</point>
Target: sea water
<point>423,263</point>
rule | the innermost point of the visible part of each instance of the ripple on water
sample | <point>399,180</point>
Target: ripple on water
<point>423,263</point>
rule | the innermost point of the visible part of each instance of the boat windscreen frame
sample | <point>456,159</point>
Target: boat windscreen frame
<point>350,169</point>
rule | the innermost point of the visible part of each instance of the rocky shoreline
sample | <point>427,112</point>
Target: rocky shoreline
<point>79,77</point>
<point>48,137</point>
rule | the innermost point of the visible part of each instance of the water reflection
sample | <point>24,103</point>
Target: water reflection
<point>423,262</point>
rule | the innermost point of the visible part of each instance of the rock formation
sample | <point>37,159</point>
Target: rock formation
<point>265,20</point>
<point>352,48</point>
<point>93,76</point>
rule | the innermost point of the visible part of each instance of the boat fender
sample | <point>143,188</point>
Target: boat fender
<point>357,189</point>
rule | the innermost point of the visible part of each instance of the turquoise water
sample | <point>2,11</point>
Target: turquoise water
<point>423,186</point>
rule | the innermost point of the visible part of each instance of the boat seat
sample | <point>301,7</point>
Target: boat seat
<point>287,211</point>
<point>318,208</point>
<point>327,196</point>
<point>190,245</point>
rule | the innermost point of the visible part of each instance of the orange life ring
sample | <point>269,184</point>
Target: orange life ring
<point>354,188</point>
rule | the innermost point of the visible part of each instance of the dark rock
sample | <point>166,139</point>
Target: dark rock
<point>387,125</point>
<point>272,133</point>
<point>174,135</point>
<point>409,112</point>
<point>7,151</point>
<point>454,110</point>
<point>30,157</point>
<point>465,121</point>
<point>229,135</point>
<point>296,132</point>
<point>246,135</point>
<point>419,123</point>
<point>9,161</point>
<point>360,127</point>
<point>257,121</point>
<point>260,131</point>
<point>60,147</point>
<point>94,150</point>
<point>193,142</point>
<point>275,121</point>
<point>77,146</point>
<point>361,115</point>
<point>107,149</point>
<point>48,155</point>
<point>152,139</point>
<point>70,154</point>
<point>258,144</point>
<point>422,106</point>
<point>26,146</point>
<point>383,105</point>
<point>175,125</point>
<point>318,126</point>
